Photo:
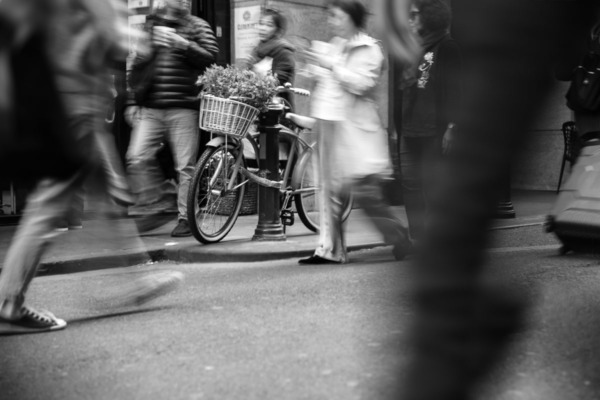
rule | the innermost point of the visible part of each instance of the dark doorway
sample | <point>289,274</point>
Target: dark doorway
<point>218,14</point>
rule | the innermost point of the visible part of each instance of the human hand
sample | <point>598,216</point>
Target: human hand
<point>179,41</point>
<point>448,138</point>
<point>160,36</point>
<point>132,115</point>
<point>321,60</point>
<point>167,37</point>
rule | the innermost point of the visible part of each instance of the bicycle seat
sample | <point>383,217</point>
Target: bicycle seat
<point>302,121</point>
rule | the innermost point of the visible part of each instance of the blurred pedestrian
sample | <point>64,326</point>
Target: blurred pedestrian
<point>273,54</point>
<point>182,47</point>
<point>80,39</point>
<point>464,320</point>
<point>353,146</point>
<point>588,39</point>
<point>431,94</point>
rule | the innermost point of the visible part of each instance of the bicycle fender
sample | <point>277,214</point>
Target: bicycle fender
<point>216,141</point>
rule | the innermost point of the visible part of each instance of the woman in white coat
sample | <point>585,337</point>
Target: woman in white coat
<point>353,145</point>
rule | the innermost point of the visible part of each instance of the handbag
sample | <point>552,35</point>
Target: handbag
<point>583,94</point>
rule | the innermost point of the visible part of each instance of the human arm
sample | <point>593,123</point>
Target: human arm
<point>362,72</point>
<point>449,90</point>
<point>284,65</point>
<point>201,49</point>
<point>357,76</point>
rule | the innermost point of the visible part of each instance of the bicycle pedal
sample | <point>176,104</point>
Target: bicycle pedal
<point>287,217</point>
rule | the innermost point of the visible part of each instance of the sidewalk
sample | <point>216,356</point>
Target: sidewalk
<point>116,243</point>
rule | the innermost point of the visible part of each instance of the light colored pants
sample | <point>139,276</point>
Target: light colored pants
<point>179,126</point>
<point>367,193</point>
<point>50,202</point>
<point>47,205</point>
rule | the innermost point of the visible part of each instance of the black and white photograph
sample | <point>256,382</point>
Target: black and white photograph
<point>299,200</point>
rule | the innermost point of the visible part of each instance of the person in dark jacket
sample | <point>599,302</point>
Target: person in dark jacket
<point>587,36</point>
<point>430,98</point>
<point>465,316</point>
<point>273,53</point>
<point>182,47</point>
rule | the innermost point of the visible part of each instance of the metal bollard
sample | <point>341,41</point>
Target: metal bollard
<point>269,222</point>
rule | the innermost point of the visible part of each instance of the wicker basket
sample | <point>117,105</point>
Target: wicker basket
<point>226,116</point>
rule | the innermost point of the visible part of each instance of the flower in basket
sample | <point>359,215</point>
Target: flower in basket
<point>239,84</point>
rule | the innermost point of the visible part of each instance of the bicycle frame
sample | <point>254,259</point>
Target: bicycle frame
<point>218,185</point>
<point>292,137</point>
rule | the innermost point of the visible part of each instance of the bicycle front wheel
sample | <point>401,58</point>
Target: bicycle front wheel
<point>212,207</point>
<point>306,182</point>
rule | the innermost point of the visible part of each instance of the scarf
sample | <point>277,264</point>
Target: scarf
<point>270,47</point>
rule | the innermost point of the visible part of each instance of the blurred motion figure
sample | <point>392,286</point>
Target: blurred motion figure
<point>463,322</point>
<point>431,94</point>
<point>182,46</point>
<point>273,54</point>
<point>353,148</point>
<point>81,39</point>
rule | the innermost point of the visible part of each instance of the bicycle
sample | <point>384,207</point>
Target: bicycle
<point>219,182</point>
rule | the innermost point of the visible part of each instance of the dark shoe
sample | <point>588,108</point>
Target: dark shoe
<point>317,260</point>
<point>403,249</point>
<point>62,227</point>
<point>31,321</point>
<point>151,222</point>
<point>182,229</point>
<point>69,226</point>
<point>75,223</point>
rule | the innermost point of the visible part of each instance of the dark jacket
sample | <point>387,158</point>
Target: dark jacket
<point>432,100</point>
<point>282,53</point>
<point>176,71</point>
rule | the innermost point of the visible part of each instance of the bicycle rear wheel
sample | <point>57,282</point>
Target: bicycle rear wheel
<point>306,181</point>
<point>212,209</point>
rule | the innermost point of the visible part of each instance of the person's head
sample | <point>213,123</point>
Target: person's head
<point>180,7</point>
<point>346,17</point>
<point>427,16</point>
<point>272,24</point>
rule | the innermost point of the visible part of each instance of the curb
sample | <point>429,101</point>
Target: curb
<point>179,255</point>
<point>184,255</point>
<point>196,253</point>
<point>96,263</point>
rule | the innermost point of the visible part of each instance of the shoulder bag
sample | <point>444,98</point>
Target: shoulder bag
<point>583,94</point>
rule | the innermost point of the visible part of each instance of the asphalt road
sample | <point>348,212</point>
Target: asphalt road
<point>278,330</point>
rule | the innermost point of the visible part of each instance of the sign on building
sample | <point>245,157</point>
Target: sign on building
<point>245,31</point>
<point>138,3</point>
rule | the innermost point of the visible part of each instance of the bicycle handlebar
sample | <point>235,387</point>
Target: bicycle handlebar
<point>288,88</point>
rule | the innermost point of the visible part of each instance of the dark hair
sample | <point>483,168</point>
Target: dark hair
<point>354,8</point>
<point>435,14</point>
<point>278,19</point>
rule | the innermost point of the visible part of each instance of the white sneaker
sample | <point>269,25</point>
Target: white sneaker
<point>31,321</point>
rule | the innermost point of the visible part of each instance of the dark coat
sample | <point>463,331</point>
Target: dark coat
<point>176,71</point>
<point>432,100</point>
